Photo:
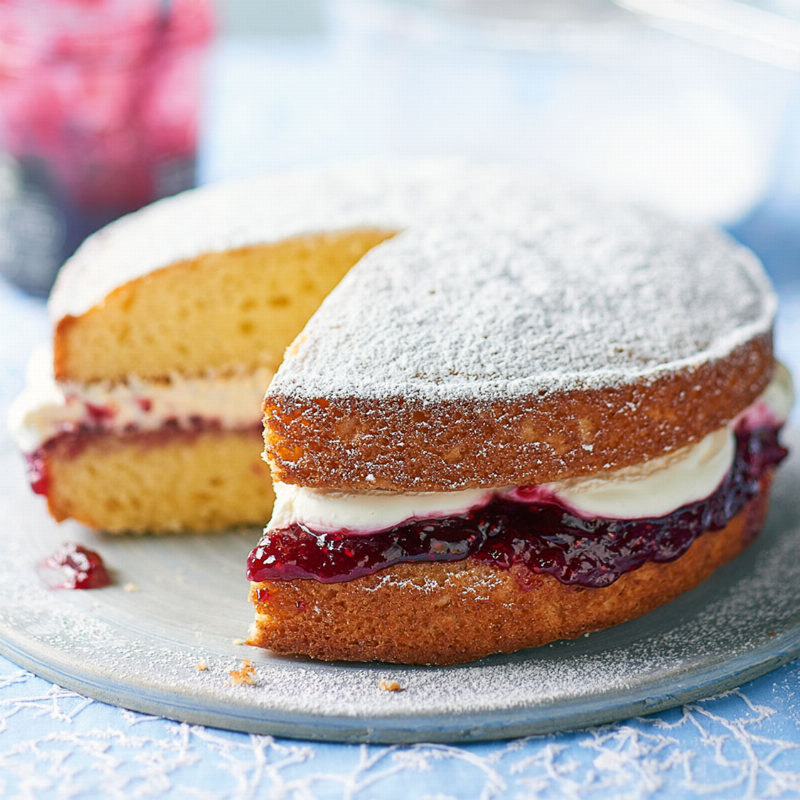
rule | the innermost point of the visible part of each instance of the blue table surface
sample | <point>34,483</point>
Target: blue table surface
<point>54,743</point>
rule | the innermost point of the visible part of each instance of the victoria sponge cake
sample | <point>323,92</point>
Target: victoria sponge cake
<point>492,436</point>
<point>496,411</point>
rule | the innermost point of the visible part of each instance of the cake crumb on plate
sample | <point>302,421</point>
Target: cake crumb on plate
<point>246,676</point>
<point>390,686</point>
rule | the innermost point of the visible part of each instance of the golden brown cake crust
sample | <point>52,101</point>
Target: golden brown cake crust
<point>352,444</point>
<point>447,613</point>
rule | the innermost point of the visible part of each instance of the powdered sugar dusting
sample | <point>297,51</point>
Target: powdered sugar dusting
<point>569,294</point>
<point>270,208</point>
<point>143,648</point>
<point>502,284</point>
<point>479,587</point>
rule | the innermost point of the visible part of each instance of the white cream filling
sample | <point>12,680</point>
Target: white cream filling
<point>656,487</point>
<point>330,511</point>
<point>775,403</point>
<point>652,489</point>
<point>46,409</point>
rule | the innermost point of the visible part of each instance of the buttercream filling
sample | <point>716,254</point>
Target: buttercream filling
<point>587,531</point>
<point>45,409</point>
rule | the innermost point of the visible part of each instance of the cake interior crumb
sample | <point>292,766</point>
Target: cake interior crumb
<point>201,665</point>
<point>390,686</point>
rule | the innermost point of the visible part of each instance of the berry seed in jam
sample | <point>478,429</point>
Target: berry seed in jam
<point>74,567</point>
<point>543,535</point>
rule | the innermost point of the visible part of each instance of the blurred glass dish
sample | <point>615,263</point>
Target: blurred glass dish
<point>764,31</point>
<point>588,89</point>
<point>99,103</point>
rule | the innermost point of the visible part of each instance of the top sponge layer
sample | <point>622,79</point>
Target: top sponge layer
<point>227,275</point>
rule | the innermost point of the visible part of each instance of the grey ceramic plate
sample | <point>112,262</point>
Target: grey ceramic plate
<point>141,649</point>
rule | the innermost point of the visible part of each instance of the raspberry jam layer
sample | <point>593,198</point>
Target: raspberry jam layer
<point>544,536</point>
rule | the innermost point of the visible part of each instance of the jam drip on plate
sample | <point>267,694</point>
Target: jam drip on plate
<point>544,536</point>
<point>74,567</point>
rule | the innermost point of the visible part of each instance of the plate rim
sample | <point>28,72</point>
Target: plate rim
<point>714,678</point>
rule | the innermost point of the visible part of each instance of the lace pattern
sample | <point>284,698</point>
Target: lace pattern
<point>55,743</point>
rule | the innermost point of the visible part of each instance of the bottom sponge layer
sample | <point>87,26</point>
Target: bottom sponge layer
<point>157,482</point>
